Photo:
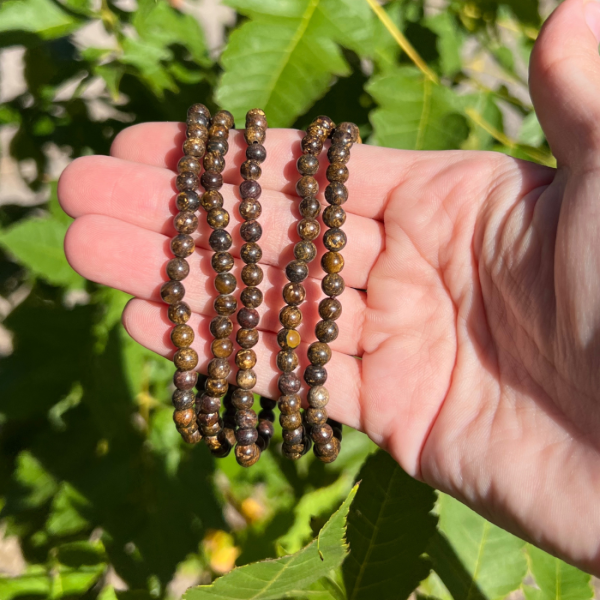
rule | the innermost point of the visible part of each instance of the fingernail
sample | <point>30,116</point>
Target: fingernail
<point>592,17</point>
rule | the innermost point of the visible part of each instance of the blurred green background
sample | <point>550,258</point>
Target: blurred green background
<point>99,497</point>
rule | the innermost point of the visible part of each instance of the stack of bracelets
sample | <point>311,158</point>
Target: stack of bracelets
<point>197,416</point>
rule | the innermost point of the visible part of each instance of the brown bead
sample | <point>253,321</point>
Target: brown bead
<point>219,368</point>
<point>290,452</point>
<point>336,193</point>
<point>334,216</point>
<point>294,294</point>
<point>255,135</point>
<point>211,180</point>
<point>337,172</point>
<point>351,129</point>
<point>287,360</point>
<point>288,339</point>
<point>291,421</point>
<point>319,353</point>
<point>220,240</point>
<point>246,456</point>
<point>246,419</point>
<point>316,130</point>
<point>307,164</point>
<point>288,384</point>
<point>251,231</point>
<point>216,387</point>
<point>211,430</point>
<point>247,338</point>
<point>190,435</point>
<point>225,283</point>
<point>208,419</point>
<point>315,375</point>
<point>172,292</point>
<point>256,117</point>
<point>222,262</point>
<point>185,380</point>
<point>218,131</point>
<point>197,119</point>
<point>186,181</point>
<point>211,199</point>
<point>244,437</point>
<point>182,245</point>
<point>328,452</point>
<point>338,154</point>
<point>178,269</point>
<point>183,399</point>
<point>187,201</point>
<point>330,309</point>
<point>305,251</point>
<point>221,327</point>
<point>296,271</point>
<point>334,239</point>
<point>250,189</point>
<point>321,434</point>
<point>179,313</point>
<point>265,429</point>
<point>341,138</point>
<point>250,253</point>
<point>332,262</point>
<point>182,336</point>
<point>183,418</point>
<point>316,416</point>
<point>225,305</point>
<point>256,152</point>
<point>242,399</point>
<point>194,147</point>
<point>217,218</point>
<point>250,209</point>
<point>248,318</point>
<point>221,348</point>
<point>326,331</point>
<point>224,117</point>
<point>197,130</point>
<point>311,145</point>
<point>307,186</point>
<point>198,109</point>
<point>245,359</point>
<point>207,404</point>
<point>293,436</point>
<point>186,359</point>
<point>325,122</point>
<point>310,207</point>
<point>318,396</point>
<point>252,275</point>
<point>185,222</point>
<point>250,169</point>
<point>246,379</point>
<point>308,229</point>
<point>214,161</point>
<point>189,163</point>
<point>218,146</point>
<point>290,317</point>
<point>251,297</point>
<point>289,404</point>
<point>214,445</point>
<point>333,284</point>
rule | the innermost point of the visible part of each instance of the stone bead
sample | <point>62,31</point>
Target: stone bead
<point>197,130</point>
<point>247,338</point>
<point>325,122</point>
<point>288,339</point>
<point>334,216</point>
<point>246,419</point>
<point>311,145</point>
<point>187,201</point>
<point>265,429</point>
<point>178,269</point>
<point>252,275</point>
<point>189,163</point>
<point>223,447</point>
<point>308,229</point>
<point>251,297</point>
<point>211,180</point>
<point>290,317</point>
<point>251,231</point>
<point>225,305</point>
<point>268,403</point>
<point>288,384</point>
<point>208,419</point>
<point>307,164</point>
<point>218,146</point>
<point>246,456</point>
<point>194,147</point>
<point>245,437</point>
<point>182,245</point>
<point>183,399</point>
<point>328,452</point>
<point>182,336</point>
<point>334,239</point>
<point>326,331</point>
<point>185,380</point>
<point>214,161</point>
<point>197,120</point>
<point>341,138</point>
<point>333,284</point>
<point>296,271</point>
<point>293,436</point>
<point>221,348</point>
<point>317,130</point>
<point>242,399</point>
<point>224,117</point>
<point>250,209</point>
<point>246,379</point>
<point>316,416</point>
<point>186,359</point>
<point>305,251</point>
<point>315,375</point>
<point>222,262</point>
<point>251,253</point>
<point>217,218</point>
<point>310,207</point>
<point>330,309</point>
<point>338,154</point>
<point>218,131</point>
<point>337,172</point>
<point>307,186</point>
<point>257,117</point>
<point>207,404</point>
<point>220,240</point>
<point>183,418</point>
<point>216,387</point>
<point>250,169</point>
<point>245,359</point>
<point>351,129</point>
<point>294,294</point>
<point>290,452</point>
<point>289,404</point>
<point>321,434</point>
<point>211,431</point>
<point>318,396</point>
<point>287,360</point>
<point>250,189</point>
<point>336,193</point>
<point>255,135</point>
<point>172,292</point>
<point>179,313</point>
<point>332,262</point>
<point>198,109</point>
<point>221,327</point>
<point>219,368</point>
<point>185,222</point>
<point>225,283</point>
<point>248,318</point>
<point>190,435</point>
<point>256,152</point>
<point>211,199</point>
<point>319,353</point>
<point>186,181</point>
<point>291,421</point>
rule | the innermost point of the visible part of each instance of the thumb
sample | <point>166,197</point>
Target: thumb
<point>564,82</point>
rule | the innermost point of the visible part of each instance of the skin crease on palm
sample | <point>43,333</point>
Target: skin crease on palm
<point>479,330</point>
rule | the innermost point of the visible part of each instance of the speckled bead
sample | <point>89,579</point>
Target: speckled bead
<point>247,338</point>
<point>178,269</point>
<point>309,229</point>
<point>251,231</point>
<point>211,199</point>
<point>186,181</point>
<point>250,169</point>
<point>222,262</point>
<point>242,399</point>
<point>225,283</point>
<point>336,193</point>
<point>221,327</point>
<point>185,222</point>
<point>294,293</point>
<point>334,216</point>
<point>296,271</point>
<point>225,304</point>
<point>307,164</point>
<point>220,240</point>
<point>251,297</point>
<point>182,336</point>
<point>250,189</point>
<point>172,292</point>
<point>183,399</point>
<point>246,456</point>
<point>221,348</point>
<point>182,245</point>
<point>319,353</point>
<point>305,251</point>
<point>194,147</point>
<point>186,359</point>
<point>187,201</point>
<point>333,284</point>
<point>214,161</point>
<point>185,380</point>
<point>217,146</point>
<point>217,218</point>
<point>250,253</point>
<point>179,313</point>
<point>288,383</point>
<point>256,152</point>
<point>252,275</point>
<point>330,309</point>
<point>250,209</point>
<point>189,163</point>
<point>310,207</point>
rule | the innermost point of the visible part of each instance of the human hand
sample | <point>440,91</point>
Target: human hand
<point>478,330</point>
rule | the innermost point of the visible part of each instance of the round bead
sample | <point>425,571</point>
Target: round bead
<point>190,435</point>
<point>225,283</point>
<point>326,331</point>
<point>337,172</point>
<point>187,201</point>
<point>318,396</point>
<point>250,169</point>
<point>185,222</point>
<point>332,262</point>
<point>333,284</point>
<point>172,292</point>
<point>186,359</point>
<point>225,118</point>
<point>251,231</point>
<point>225,305</point>
<point>246,436</point>
<point>220,240</point>
<point>305,251</point>
<point>218,146</point>
<point>250,253</point>
<point>194,147</point>
<point>189,163</point>
<point>183,418</point>
<point>212,199</point>
<point>246,419</point>
<point>250,189</point>
<point>185,380</point>
<point>289,404</point>
<point>216,387</point>
<point>307,164</point>
<point>246,456</point>
<point>310,207</point>
<point>338,154</point>
<point>242,399</point>
<point>256,152</point>
<point>294,294</point>
<point>290,452</point>
<point>218,368</point>
<point>208,419</point>
<point>248,318</point>
<point>245,359</point>
<point>182,245</point>
<point>321,434</point>
<point>293,436</point>
<point>316,416</point>
<point>291,421</point>
<point>308,229</point>
<point>288,384</point>
<point>311,145</point>
<point>207,404</point>
<point>334,216</point>
<point>334,239</point>
<point>184,399</point>
<point>319,353</point>
<point>255,135</point>
<point>307,186</point>
<point>246,379</point>
<point>221,348</point>
<point>247,338</point>
<point>330,309</point>
<point>351,129</point>
<point>222,262</point>
<point>198,109</point>
<point>287,360</point>
<point>328,452</point>
<point>197,130</point>
<point>179,313</point>
<point>336,193</point>
<point>252,275</point>
<point>217,218</point>
<point>341,138</point>
<point>314,375</point>
<point>186,181</point>
<point>288,339</point>
<point>296,271</point>
<point>265,429</point>
<point>214,161</point>
<point>182,336</point>
<point>198,119</point>
<point>290,317</point>
<point>325,122</point>
<point>251,297</point>
<point>250,209</point>
<point>218,131</point>
<point>178,269</point>
<point>316,130</point>
<point>221,327</point>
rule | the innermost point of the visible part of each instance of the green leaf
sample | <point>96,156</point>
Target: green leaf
<point>34,583</point>
<point>389,526</point>
<point>66,515</point>
<point>449,42</point>
<point>531,133</point>
<point>43,17</point>
<point>556,579</point>
<point>415,113</point>
<point>271,579</point>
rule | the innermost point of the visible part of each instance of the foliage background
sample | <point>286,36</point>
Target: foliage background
<point>98,496</point>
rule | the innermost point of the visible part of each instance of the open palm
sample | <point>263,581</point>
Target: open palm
<point>469,336</point>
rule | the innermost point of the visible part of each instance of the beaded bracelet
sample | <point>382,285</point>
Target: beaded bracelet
<point>323,432</point>
<point>173,291</point>
<point>247,451</point>
<point>218,439</point>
